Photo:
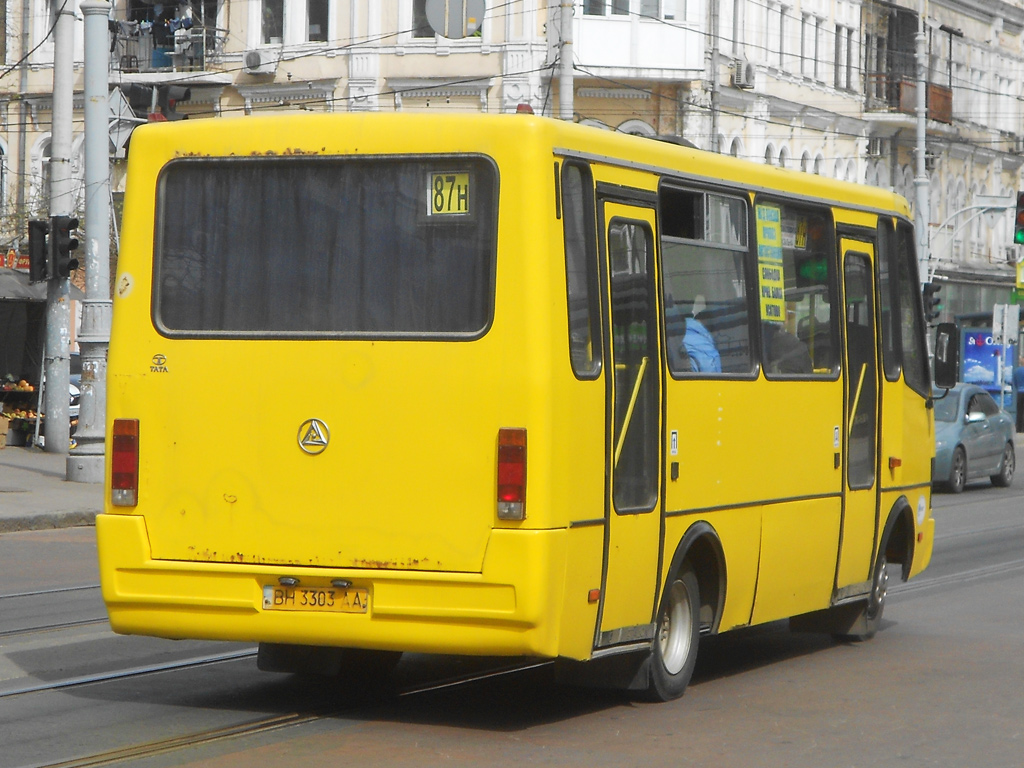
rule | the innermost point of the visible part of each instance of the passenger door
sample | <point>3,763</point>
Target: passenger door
<point>985,435</point>
<point>860,509</point>
<point>633,426</point>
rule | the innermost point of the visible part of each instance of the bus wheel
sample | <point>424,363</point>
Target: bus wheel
<point>870,616</point>
<point>677,634</point>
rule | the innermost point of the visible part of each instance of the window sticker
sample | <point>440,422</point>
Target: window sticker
<point>770,271</point>
<point>448,194</point>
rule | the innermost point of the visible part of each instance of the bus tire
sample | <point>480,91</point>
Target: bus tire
<point>677,634</point>
<point>870,619</point>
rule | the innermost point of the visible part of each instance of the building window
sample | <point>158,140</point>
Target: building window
<point>272,31</point>
<point>420,27</point>
<point>840,60</point>
<point>618,7</point>
<point>737,25</point>
<point>316,21</point>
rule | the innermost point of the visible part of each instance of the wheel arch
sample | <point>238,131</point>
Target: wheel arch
<point>701,548</point>
<point>898,536</point>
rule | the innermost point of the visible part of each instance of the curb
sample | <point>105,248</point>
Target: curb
<point>47,521</point>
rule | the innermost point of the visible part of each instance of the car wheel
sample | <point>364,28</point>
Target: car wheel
<point>958,471</point>
<point>1005,475</point>
<point>675,643</point>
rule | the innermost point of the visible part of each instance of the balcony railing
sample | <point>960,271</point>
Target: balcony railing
<point>187,50</point>
<point>896,93</point>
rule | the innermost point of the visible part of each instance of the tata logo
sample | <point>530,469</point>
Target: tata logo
<point>313,436</point>
<point>158,364</point>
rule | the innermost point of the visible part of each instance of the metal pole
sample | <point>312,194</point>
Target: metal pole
<point>566,108</point>
<point>715,95</point>
<point>25,113</point>
<point>56,428</point>
<point>85,464</point>
<point>923,213</point>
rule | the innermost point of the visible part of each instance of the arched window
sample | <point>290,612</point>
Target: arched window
<point>805,162</point>
<point>736,148</point>
<point>871,177</point>
<point>39,182</point>
<point>637,128</point>
<point>769,155</point>
<point>783,157</point>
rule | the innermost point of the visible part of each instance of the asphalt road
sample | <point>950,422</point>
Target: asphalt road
<point>941,684</point>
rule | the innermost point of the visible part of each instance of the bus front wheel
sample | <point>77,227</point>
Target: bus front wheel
<point>677,634</point>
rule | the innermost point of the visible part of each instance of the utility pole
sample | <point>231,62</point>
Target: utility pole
<point>56,395</point>
<point>921,183</point>
<point>85,464</point>
<point>715,95</point>
<point>566,109</point>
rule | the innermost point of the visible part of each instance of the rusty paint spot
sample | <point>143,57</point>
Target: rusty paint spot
<point>230,498</point>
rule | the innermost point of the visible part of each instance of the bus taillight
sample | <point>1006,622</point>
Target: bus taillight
<point>124,463</point>
<point>511,473</point>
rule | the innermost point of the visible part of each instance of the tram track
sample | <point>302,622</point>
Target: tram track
<point>252,728</point>
<point>12,598</point>
<point>923,583</point>
<point>43,628</point>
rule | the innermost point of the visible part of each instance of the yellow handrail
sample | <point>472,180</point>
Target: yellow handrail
<point>856,397</point>
<point>629,411</point>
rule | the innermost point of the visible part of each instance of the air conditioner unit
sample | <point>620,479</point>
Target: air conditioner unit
<point>260,62</point>
<point>1010,254</point>
<point>875,147</point>
<point>743,75</point>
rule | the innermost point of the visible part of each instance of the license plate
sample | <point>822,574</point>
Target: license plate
<point>316,599</point>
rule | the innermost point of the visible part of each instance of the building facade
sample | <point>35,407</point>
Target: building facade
<point>824,86</point>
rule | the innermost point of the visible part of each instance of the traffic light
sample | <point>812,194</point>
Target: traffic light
<point>1018,221</point>
<point>40,267</point>
<point>932,305</point>
<point>62,244</point>
<point>167,97</point>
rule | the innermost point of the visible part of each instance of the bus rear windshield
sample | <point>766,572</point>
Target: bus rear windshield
<point>348,247</point>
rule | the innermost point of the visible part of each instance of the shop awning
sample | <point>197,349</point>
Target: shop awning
<point>14,285</point>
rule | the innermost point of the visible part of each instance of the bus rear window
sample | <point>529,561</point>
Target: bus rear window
<point>347,247</point>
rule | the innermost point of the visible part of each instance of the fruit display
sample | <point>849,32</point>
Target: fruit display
<point>20,413</point>
<point>17,386</point>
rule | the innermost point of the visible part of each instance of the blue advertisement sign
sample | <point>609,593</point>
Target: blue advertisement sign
<point>981,364</point>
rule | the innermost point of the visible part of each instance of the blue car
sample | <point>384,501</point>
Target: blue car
<point>973,439</point>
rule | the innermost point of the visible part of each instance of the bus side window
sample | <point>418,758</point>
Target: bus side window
<point>913,351</point>
<point>581,275</point>
<point>799,336</point>
<point>704,252</point>
<point>888,298</point>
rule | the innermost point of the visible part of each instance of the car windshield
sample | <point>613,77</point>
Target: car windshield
<point>946,408</point>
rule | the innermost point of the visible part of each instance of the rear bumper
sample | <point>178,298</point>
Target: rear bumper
<point>511,608</point>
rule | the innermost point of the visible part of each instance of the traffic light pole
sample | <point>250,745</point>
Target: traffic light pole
<point>56,387</point>
<point>85,464</point>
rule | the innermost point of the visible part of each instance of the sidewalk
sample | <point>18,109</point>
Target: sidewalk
<point>34,494</point>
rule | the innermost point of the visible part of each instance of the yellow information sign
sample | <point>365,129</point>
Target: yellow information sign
<point>770,272</point>
<point>448,194</point>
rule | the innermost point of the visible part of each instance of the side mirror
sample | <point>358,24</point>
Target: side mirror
<point>947,355</point>
<point>974,417</point>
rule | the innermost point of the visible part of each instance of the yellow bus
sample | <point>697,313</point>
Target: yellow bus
<point>503,385</point>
